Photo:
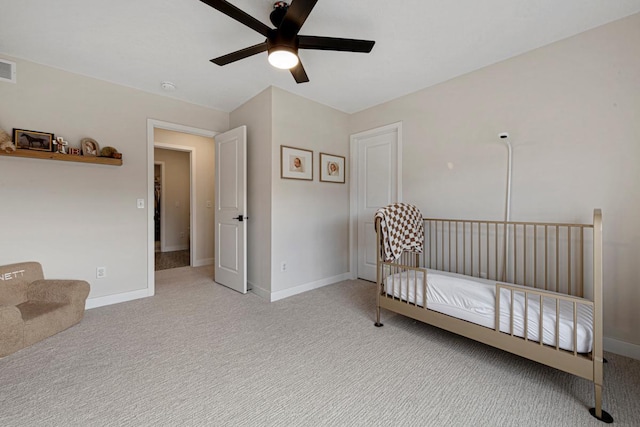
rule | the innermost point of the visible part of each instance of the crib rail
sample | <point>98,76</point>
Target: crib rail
<point>549,256</point>
<point>407,285</point>
<point>396,274</point>
<point>557,299</point>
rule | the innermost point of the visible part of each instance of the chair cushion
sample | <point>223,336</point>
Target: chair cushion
<point>32,309</point>
<point>44,319</point>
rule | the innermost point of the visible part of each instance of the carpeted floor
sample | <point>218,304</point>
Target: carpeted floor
<point>176,259</point>
<point>199,354</point>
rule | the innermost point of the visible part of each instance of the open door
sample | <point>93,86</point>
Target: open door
<point>230,213</point>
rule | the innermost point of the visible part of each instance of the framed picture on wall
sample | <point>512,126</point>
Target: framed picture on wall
<point>33,140</point>
<point>296,163</point>
<point>332,168</point>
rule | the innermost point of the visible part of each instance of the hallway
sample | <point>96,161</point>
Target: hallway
<point>167,260</point>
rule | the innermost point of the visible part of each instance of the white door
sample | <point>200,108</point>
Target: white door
<point>230,214</point>
<point>378,175</point>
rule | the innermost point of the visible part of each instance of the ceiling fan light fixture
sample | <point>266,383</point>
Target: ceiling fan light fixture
<point>283,58</point>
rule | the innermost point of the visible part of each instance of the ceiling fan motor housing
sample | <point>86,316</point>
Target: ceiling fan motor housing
<point>277,14</point>
<point>279,41</point>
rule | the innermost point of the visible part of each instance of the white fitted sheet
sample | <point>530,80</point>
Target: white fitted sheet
<point>473,299</point>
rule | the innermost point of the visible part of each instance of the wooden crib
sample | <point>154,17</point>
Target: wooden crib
<point>546,269</point>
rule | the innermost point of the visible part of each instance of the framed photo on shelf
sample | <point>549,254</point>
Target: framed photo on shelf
<point>332,168</point>
<point>33,140</point>
<point>296,163</point>
<point>89,147</point>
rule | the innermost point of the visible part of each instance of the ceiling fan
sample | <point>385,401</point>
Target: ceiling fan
<point>283,42</point>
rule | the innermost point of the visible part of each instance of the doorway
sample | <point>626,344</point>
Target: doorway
<point>172,208</point>
<point>200,232</point>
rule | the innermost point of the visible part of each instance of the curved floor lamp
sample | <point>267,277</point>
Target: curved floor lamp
<point>504,137</point>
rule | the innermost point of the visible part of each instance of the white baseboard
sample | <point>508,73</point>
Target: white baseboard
<point>117,298</point>
<point>202,262</point>
<point>262,293</point>
<point>622,348</point>
<point>175,248</point>
<point>285,293</point>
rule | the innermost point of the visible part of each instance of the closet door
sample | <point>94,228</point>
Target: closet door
<point>377,173</point>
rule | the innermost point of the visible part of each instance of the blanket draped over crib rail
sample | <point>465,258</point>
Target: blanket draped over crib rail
<point>402,229</point>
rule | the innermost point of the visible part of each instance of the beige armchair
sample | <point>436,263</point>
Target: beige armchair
<point>32,308</point>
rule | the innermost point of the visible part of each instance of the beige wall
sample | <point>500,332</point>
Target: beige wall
<point>310,219</point>
<point>301,223</point>
<point>74,217</point>
<point>177,200</point>
<point>572,109</point>
<point>256,115</point>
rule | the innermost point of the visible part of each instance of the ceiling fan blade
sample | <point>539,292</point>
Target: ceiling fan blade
<point>239,15</point>
<point>240,54</point>
<point>335,43</point>
<point>299,73</point>
<point>297,13</point>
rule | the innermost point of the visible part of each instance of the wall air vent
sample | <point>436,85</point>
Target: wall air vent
<point>7,71</point>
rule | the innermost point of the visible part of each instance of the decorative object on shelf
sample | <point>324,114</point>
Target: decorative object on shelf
<point>61,145</point>
<point>296,163</point>
<point>108,152</point>
<point>90,147</point>
<point>33,140</point>
<point>74,151</point>
<point>5,142</point>
<point>7,146</point>
<point>332,168</point>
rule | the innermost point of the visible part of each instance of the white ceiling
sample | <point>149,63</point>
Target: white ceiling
<point>419,43</point>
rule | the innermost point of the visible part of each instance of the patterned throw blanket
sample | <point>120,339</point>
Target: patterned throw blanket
<point>402,229</point>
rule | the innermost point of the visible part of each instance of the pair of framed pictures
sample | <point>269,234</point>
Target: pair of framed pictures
<point>44,141</point>
<point>297,163</point>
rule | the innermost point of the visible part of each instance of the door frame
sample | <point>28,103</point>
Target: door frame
<point>354,185</point>
<point>153,124</point>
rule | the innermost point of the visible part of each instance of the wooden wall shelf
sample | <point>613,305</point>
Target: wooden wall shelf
<point>48,155</point>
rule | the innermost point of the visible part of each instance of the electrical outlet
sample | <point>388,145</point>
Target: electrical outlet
<point>182,234</point>
<point>283,267</point>
<point>101,272</point>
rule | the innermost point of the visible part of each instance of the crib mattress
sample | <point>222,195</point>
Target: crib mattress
<point>473,299</point>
